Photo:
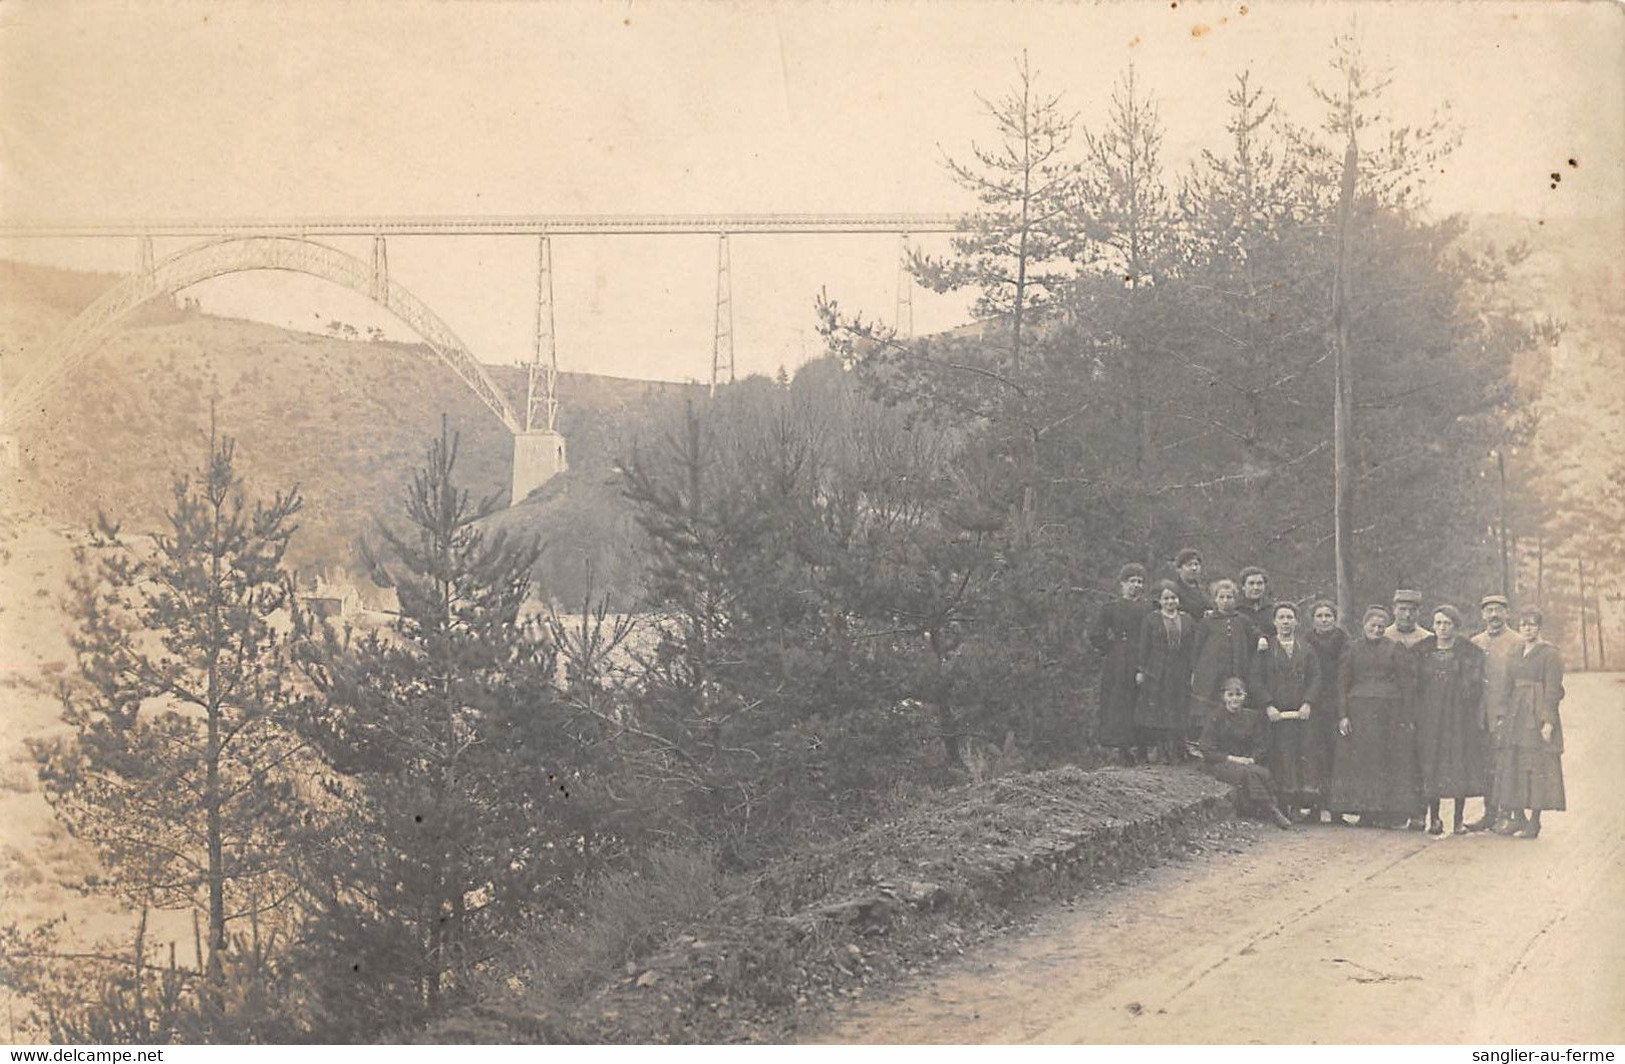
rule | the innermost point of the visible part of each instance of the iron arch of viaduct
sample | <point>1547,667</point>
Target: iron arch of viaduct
<point>216,258</point>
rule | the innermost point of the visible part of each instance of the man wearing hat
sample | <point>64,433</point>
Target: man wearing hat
<point>1501,647</point>
<point>1188,582</point>
<point>1405,631</point>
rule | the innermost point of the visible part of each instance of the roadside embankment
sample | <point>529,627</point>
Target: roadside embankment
<point>829,923</point>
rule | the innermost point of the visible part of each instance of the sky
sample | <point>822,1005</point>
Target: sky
<point>112,111</point>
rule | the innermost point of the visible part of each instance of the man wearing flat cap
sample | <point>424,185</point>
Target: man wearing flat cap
<point>1408,634</point>
<point>1405,631</point>
<point>1502,647</point>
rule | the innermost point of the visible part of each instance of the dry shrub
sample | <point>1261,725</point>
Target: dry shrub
<point>628,914</point>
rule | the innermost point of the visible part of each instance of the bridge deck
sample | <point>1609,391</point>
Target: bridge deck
<point>488,225</point>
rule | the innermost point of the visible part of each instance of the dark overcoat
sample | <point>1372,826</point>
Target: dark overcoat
<point>1163,704</point>
<point>1261,615</point>
<point>1452,742</point>
<point>1329,649</point>
<point>1375,768</point>
<point>1297,758</point>
<point>1224,647</point>
<point>1193,599</point>
<point>1116,633</point>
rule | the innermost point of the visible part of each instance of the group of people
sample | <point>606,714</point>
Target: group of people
<point>1306,721</point>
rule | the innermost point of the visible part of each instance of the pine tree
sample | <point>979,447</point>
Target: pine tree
<point>449,773</point>
<point>180,766</point>
<point>1016,250</point>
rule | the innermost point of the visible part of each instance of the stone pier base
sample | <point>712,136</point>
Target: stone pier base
<point>537,458</point>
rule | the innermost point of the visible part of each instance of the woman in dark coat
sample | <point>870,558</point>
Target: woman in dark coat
<point>1286,682</point>
<point>1193,598</point>
<point>1529,747</point>
<point>1234,745</point>
<point>1116,634</point>
<point>1163,660</point>
<point>1255,605</point>
<point>1224,647</point>
<point>1452,743</point>
<point>1330,643</point>
<point>1375,773</point>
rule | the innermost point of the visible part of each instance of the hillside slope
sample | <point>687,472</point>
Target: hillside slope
<point>348,421</point>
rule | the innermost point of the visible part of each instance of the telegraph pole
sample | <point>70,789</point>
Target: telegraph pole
<point>1540,570</point>
<point>1506,578</point>
<point>1585,633</point>
<point>1342,477</point>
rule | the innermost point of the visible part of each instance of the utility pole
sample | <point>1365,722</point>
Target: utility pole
<point>1602,650</point>
<point>1540,570</point>
<point>905,292</point>
<point>1342,476</point>
<point>1506,570</point>
<point>1585,633</point>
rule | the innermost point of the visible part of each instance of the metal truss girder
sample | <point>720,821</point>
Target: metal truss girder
<point>236,255</point>
<point>479,225</point>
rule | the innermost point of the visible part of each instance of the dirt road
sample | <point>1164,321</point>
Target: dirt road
<point>1325,935</point>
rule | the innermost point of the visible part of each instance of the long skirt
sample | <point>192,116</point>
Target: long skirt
<point>1529,777</point>
<point>1115,724</point>
<point>1375,765</point>
<point>1149,736</point>
<point>1297,764</point>
<point>1455,756</point>
<point>1252,782</point>
<point>1202,710</point>
<point>1323,725</point>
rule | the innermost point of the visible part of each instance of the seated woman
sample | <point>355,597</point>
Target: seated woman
<point>1287,684</point>
<point>1451,741</point>
<point>1235,740</point>
<point>1375,773</point>
<point>1529,741</point>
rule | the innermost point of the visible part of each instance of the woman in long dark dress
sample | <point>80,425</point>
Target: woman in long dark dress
<point>1224,647</point>
<point>1115,634</point>
<point>1376,773</point>
<point>1330,643</point>
<point>1163,661</point>
<point>1452,742</point>
<point>1529,748</point>
<point>1234,745</point>
<point>1287,684</point>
